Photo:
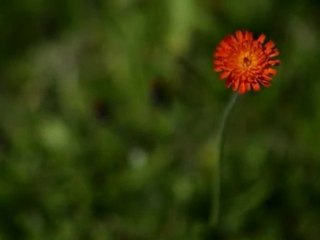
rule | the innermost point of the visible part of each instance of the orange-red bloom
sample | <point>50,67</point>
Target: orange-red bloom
<point>244,62</point>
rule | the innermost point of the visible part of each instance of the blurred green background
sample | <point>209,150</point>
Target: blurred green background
<point>109,111</point>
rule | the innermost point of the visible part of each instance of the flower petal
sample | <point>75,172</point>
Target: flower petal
<point>239,36</point>
<point>224,75</point>
<point>242,88</point>
<point>235,84</point>
<point>255,86</point>
<point>261,38</point>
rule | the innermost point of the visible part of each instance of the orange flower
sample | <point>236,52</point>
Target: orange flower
<point>244,62</point>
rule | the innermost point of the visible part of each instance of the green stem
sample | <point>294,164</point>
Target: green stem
<point>214,217</point>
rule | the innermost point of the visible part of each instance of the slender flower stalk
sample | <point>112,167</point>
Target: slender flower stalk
<point>214,217</point>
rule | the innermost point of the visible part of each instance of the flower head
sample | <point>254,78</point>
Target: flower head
<point>244,62</point>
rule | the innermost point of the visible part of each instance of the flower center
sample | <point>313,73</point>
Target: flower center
<point>247,62</point>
